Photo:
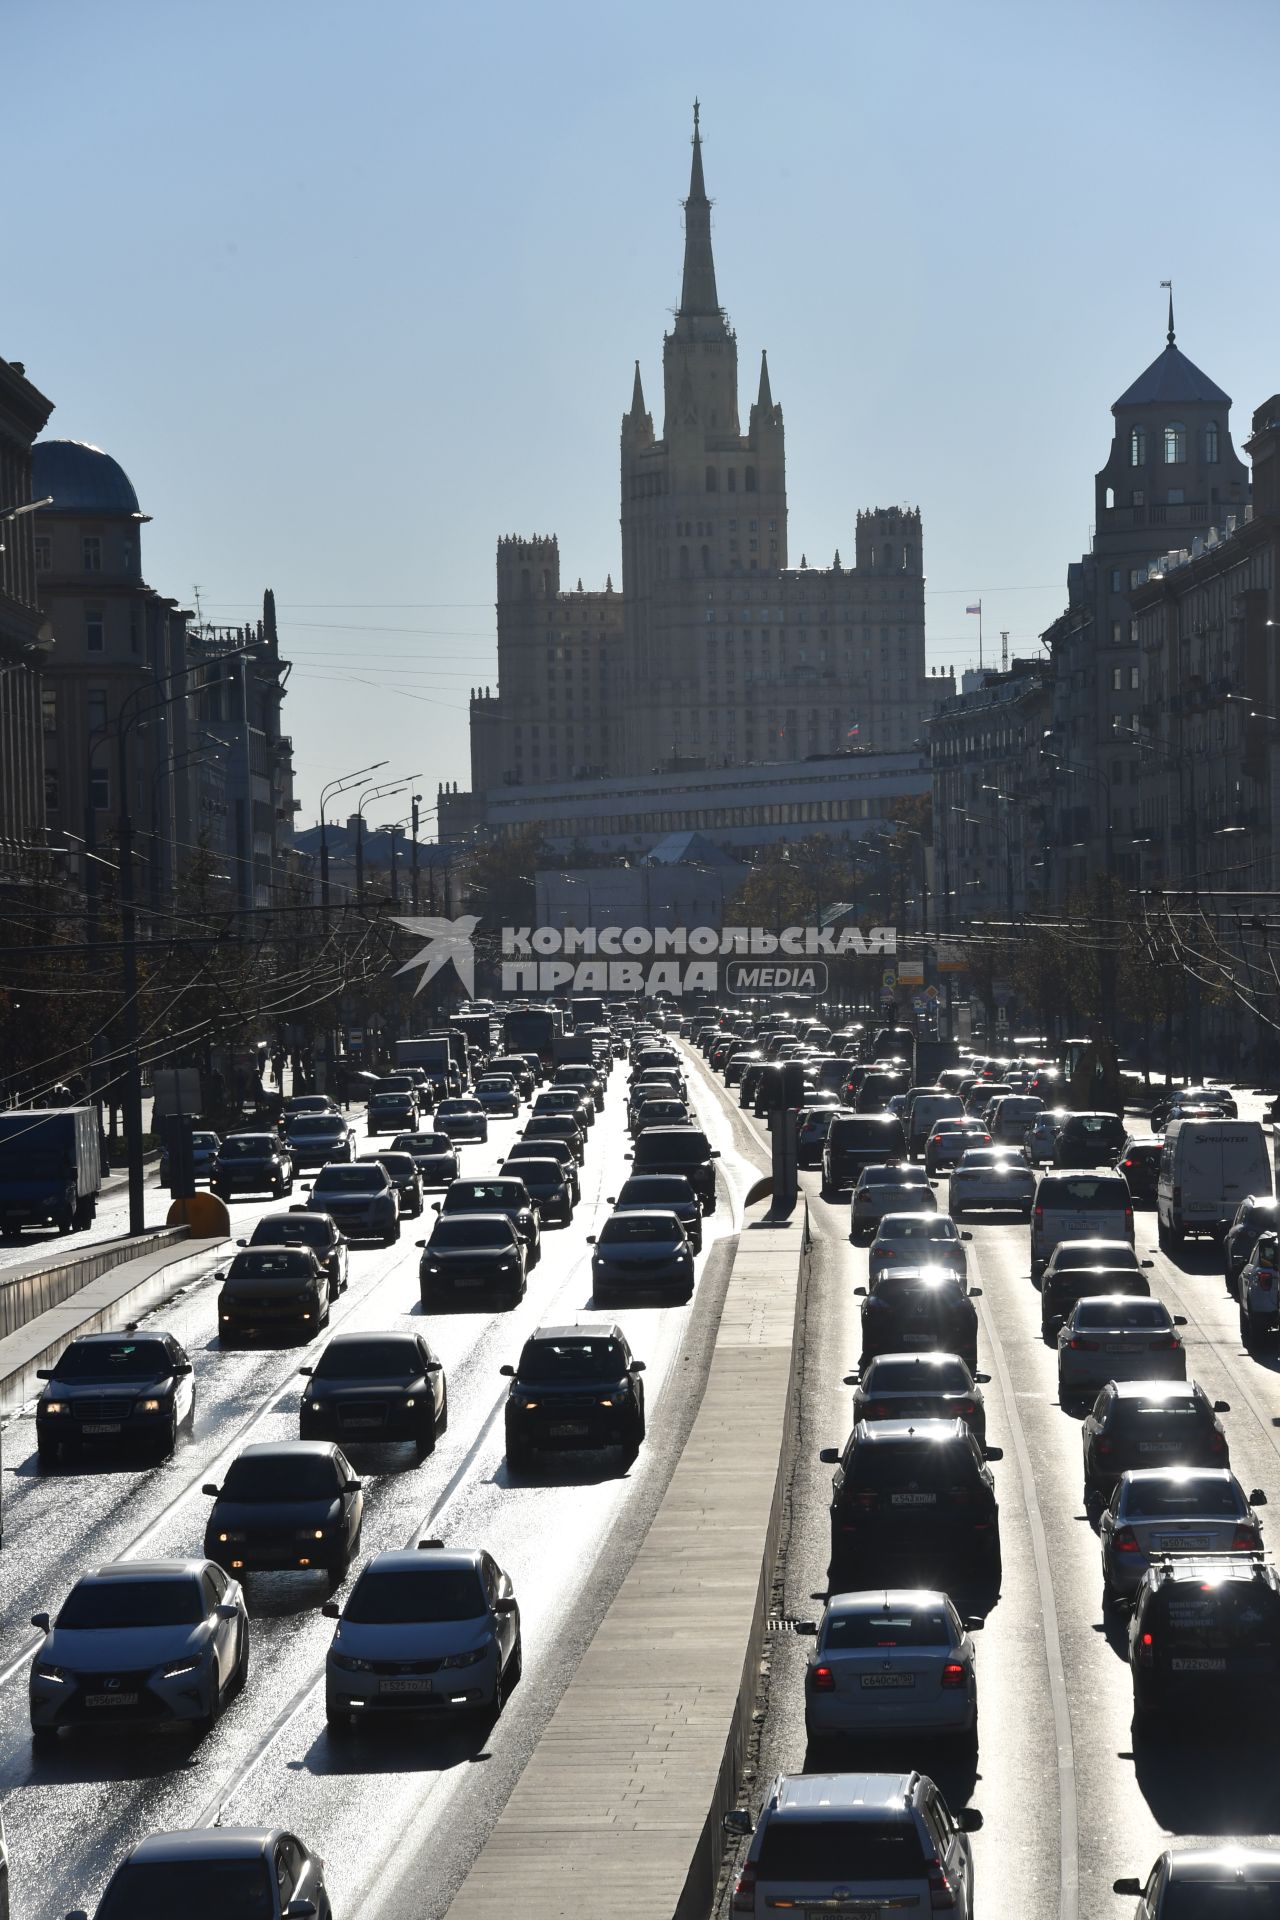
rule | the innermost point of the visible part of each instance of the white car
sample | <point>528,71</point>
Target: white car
<point>889,1663</point>
<point>462,1119</point>
<point>918,1239</point>
<point>436,1629</point>
<point>1039,1138</point>
<point>885,1189</point>
<point>1116,1337</point>
<point>991,1177</point>
<point>139,1643</point>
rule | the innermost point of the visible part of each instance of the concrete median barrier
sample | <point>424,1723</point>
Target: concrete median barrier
<point>619,1809</point>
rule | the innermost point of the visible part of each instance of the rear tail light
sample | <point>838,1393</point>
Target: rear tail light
<point>1146,1650</point>
<point>1039,1216</point>
<point>941,1896</point>
<point>954,1673</point>
<point>1105,1446</point>
<point>1167,1343</point>
<point>1085,1346</point>
<point>1218,1443</point>
<point>1245,1540</point>
<point>822,1680</point>
<point>1125,1540</point>
<point>876,1411</point>
<point>966,1407</point>
<point>1265,1278</point>
<point>744,1893</point>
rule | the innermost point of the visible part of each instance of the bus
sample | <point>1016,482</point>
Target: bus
<point>533,1030</point>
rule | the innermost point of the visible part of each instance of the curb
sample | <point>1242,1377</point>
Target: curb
<point>31,1287</point>
<point>619,1807</point>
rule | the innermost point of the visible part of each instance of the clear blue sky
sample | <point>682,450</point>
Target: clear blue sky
<point>351,290</point>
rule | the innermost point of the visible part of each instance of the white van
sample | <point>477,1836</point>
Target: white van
<point>1079,1206</point>
<point>1207,1168</point>
<point>1009,1119</point>
<point>926,1109</point>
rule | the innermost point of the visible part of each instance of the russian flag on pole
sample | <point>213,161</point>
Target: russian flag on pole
<point>974,609</point>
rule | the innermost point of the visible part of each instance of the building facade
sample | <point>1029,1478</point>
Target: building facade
<point>23,413</point>
<point>718,652</point>
<point>991,848</point>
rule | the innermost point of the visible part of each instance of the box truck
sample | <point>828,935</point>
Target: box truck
<point>50,1168</point>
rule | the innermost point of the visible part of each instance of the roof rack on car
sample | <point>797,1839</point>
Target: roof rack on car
<point>1259,1557</point>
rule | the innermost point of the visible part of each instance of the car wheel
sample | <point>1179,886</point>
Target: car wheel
<point>392,1234</point>
<point>442,1423</point>
<point>427,1435</point>
<point>277,1189</point>
<point>240,1678</point>
<point>46,1451</point>
<point>339,1720</point>
<point>519,1453</point>
<point>168,1443</point>
<point>514,1668</point>
<point>44,1740</point>
<point>205,1725</point>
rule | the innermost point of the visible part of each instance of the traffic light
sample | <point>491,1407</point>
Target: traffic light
<point>179,1131</point>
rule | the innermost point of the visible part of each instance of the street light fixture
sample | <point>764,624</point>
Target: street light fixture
<point>340,785</point>
<point>381,792</point>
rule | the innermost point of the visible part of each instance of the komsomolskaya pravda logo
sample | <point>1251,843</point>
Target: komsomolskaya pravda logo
<point>447,940</point>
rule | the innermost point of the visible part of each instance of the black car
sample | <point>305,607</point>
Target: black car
<point>547,1185</point>
<point>392,1113</point>
<point>583,1080</point>
<point>749,1085</point>
<point>519,1070</point>
<point>684,1150</point>
<point>315,1138</point>
<point>911,1491</point>
<point>375,1387</point>
<point>639,1253</point>
<point>1089,1140</point>
<point>1205,1633</point>
<point>434,1155</point>
<point>468,1256</point>
<point>252,1163</point>
<point>1060,1290</point>
<point>1139,1162</point>
<point>291,1504</point>
<point>109,1387</point>
<point>401,1170</point>
<point>672,1192</point>
<point>302,1228</point>
<point>506,1193</point>
<point>272,1291</point>
<point>1259,1214</point>
<point>933,1386</point>
<point>557,1126</point>
<point>855,1141</point>
<point>558,1150</point>
<point>1150,1423</point>
<point>574,1387</point>
<point>567,1100</point>
<point>908,1310</point>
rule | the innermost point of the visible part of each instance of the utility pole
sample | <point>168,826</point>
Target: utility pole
<point>413,856</point>
<point>129,985</point>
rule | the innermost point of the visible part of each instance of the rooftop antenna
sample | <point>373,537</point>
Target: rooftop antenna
<point>1004,650</point>
<point>196,592</point>
<point>1169,285</point>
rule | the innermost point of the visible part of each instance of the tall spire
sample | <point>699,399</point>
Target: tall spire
<point>1172,337</point>
<point>698,297</point>
<point>765,396</point>
<point>637,397</point>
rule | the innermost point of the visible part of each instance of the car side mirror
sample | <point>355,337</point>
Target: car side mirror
<point>1179,1319</point>
<point>829,1456</point>
<point>306,1369</point>
<point>40,1620</point>
<point>969,1820</point>
<point>714,1154</point>
<point>591,1239</point>
<point>975,1293</point>
<point>993,1453</point>
<point>851,1379</point>
<point>628,1156</point>
<point>302,1909</point>
<point>1222,1406</point>
<point>219,1273</point>
<point>506,1605</point>
<point>44,1373</point>
<point>738,1823</point>
<point>858,1290</point>
<point>974,1623</point>
<point>419,1243</point>
<point>508,1372</point>
<point>982,1379</point>
<point>353,1486</point>
<point>331,1610</point>
<point>77,1913</point>
<point>210,1489</point>
<point>807,1627</point>
<point>434,1366</point>
<point>1130,1885</point>
<point>435,1206</point>
<point>1257,1498</point>
<point>242,1243</point>
<point>227,1610</point>
<point>1147,1263</point>
<point>637,1366</point>
<point>966,1235</point>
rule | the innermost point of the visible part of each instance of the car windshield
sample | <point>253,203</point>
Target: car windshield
<point>358,1179</point>
<point>390,1099</point>
<point>840,1850</point>
<point>323,1126</point>
<point>1123,1315</point>
<point>305,1476</point>
<point>571,1359</point>
<point>481,1193</point>
<point>248,1147</point>
<point>1086,1253</point>
<point>1154,1499</point>
<point>889,1627</point>
<point>917,1376</point>
<point>985,1158</point>
<point>885,1180</point>
<point>198,1889</point>
<point>473,1232</point>
<point>270,1264</point>
<point>369,1360</point>
<point>312,1228</point>
<point>113,1360</point>
<point>383,1598</point>
<point>132,1603</point>
<point>204,1140</point>
<point>635,1226</point>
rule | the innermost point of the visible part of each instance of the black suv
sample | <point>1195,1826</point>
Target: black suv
<point>907,1310</point>
<point>1059,1291</point>
<point>1150,1423</point>
<point>1204,1627</point>
<point>683,1150</point>
<point>507,1194</point>
<point>1089,1140</point>
<point>252,1163</point>
<point>669,1191</point>
<point>855,1141</point>
<point>910,1490</point>
<point>574,1387</point>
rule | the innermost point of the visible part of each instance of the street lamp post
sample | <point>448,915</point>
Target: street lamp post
<point>340,785</point>
<point>382,792</point>
<point>1107,954</point>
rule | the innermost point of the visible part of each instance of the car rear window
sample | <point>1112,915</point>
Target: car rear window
<point>923,1376</point>
<point>1154,1499</point>
<point>481,1193</point>
<point>655,1189</point>
<point>1227,1613</point>
<point>841,1850</point>
<point>915,1226</point>
<point>1083,1191</point>
<point>270,1264</point>
<point>664,1145</point>
<point>935,1464</point>
<point>364,1178</point>
<point>428,1143</point>
<point>889,1627</point>
<point>1131,1314</point>
<point>635,1226</point>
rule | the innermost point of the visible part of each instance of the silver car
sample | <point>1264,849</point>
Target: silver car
<point>991,1177</point>
<point>1162,1510</point>
<point>359,1199</point>
<point>137,1643</point>
<point>257,1873</point>
<point>1115,1337</point>
<point>887,1663</point>
<point>1039,1138</point>
<point>885,1189</point>
<point>930,1386</point>
<point>918,1240</point>
<point>438,1629</point>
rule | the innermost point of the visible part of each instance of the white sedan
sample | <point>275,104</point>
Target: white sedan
<point>888,1663</point>
<point>992,1177</point>
<point>918,1239</point>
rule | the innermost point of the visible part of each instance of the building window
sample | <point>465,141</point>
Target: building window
<point>91,553</point>
<point>1176,496</point>
<point>733,479</point>
<point>1133,684</point>
<point>1138,447</point>
<point>1117,580</point>
<point>751,479</point>
<point>1210,447</point>
<point>135,642</point>
<point>1137,498</point>
<point>1175,444</point>
<point>44,553</point>
<point>99,788</point>
<point>49,709</point>
<point>94,631</point>
<point>712,481</point>
<point>1117,679</point>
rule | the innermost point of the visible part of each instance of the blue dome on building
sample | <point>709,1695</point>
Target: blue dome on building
<point>81,478</point>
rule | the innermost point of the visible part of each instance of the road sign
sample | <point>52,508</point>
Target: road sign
<point>931,993</point>
<point>889,980</point>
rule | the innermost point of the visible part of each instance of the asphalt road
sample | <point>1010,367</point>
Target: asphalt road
<point>1070,1797</point>
<point>398,1811</point>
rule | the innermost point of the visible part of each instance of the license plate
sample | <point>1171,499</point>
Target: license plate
<point>565,1427</point>
<point>1117,1346</point>
<point>111,1699</point>
<point>1182,1665</point>
<point>101,1426</point>
<point>842,1913</point>
<point>1179,1542</point>
<point>470,1280</point>
<point>888,1679</point>
<point>405,1683</point>
<point>1157,1446</point>
<point>351,1424</point>
<point>913,1499</point>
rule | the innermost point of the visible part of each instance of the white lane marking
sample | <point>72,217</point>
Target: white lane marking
<point>1068,1810</point>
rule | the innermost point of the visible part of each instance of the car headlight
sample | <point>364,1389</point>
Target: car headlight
<point>411,1401</point>
<point>49,1673</point>
<point>228,1537</point>
<point>470,1659</point>
<point>311,1406</point>
<point>181,1667</point>
<point>150,1406</point>
<point>56,1406</point>
<point>505,1266</point>
<point>351,1663</point>
<point>314,1533</point>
